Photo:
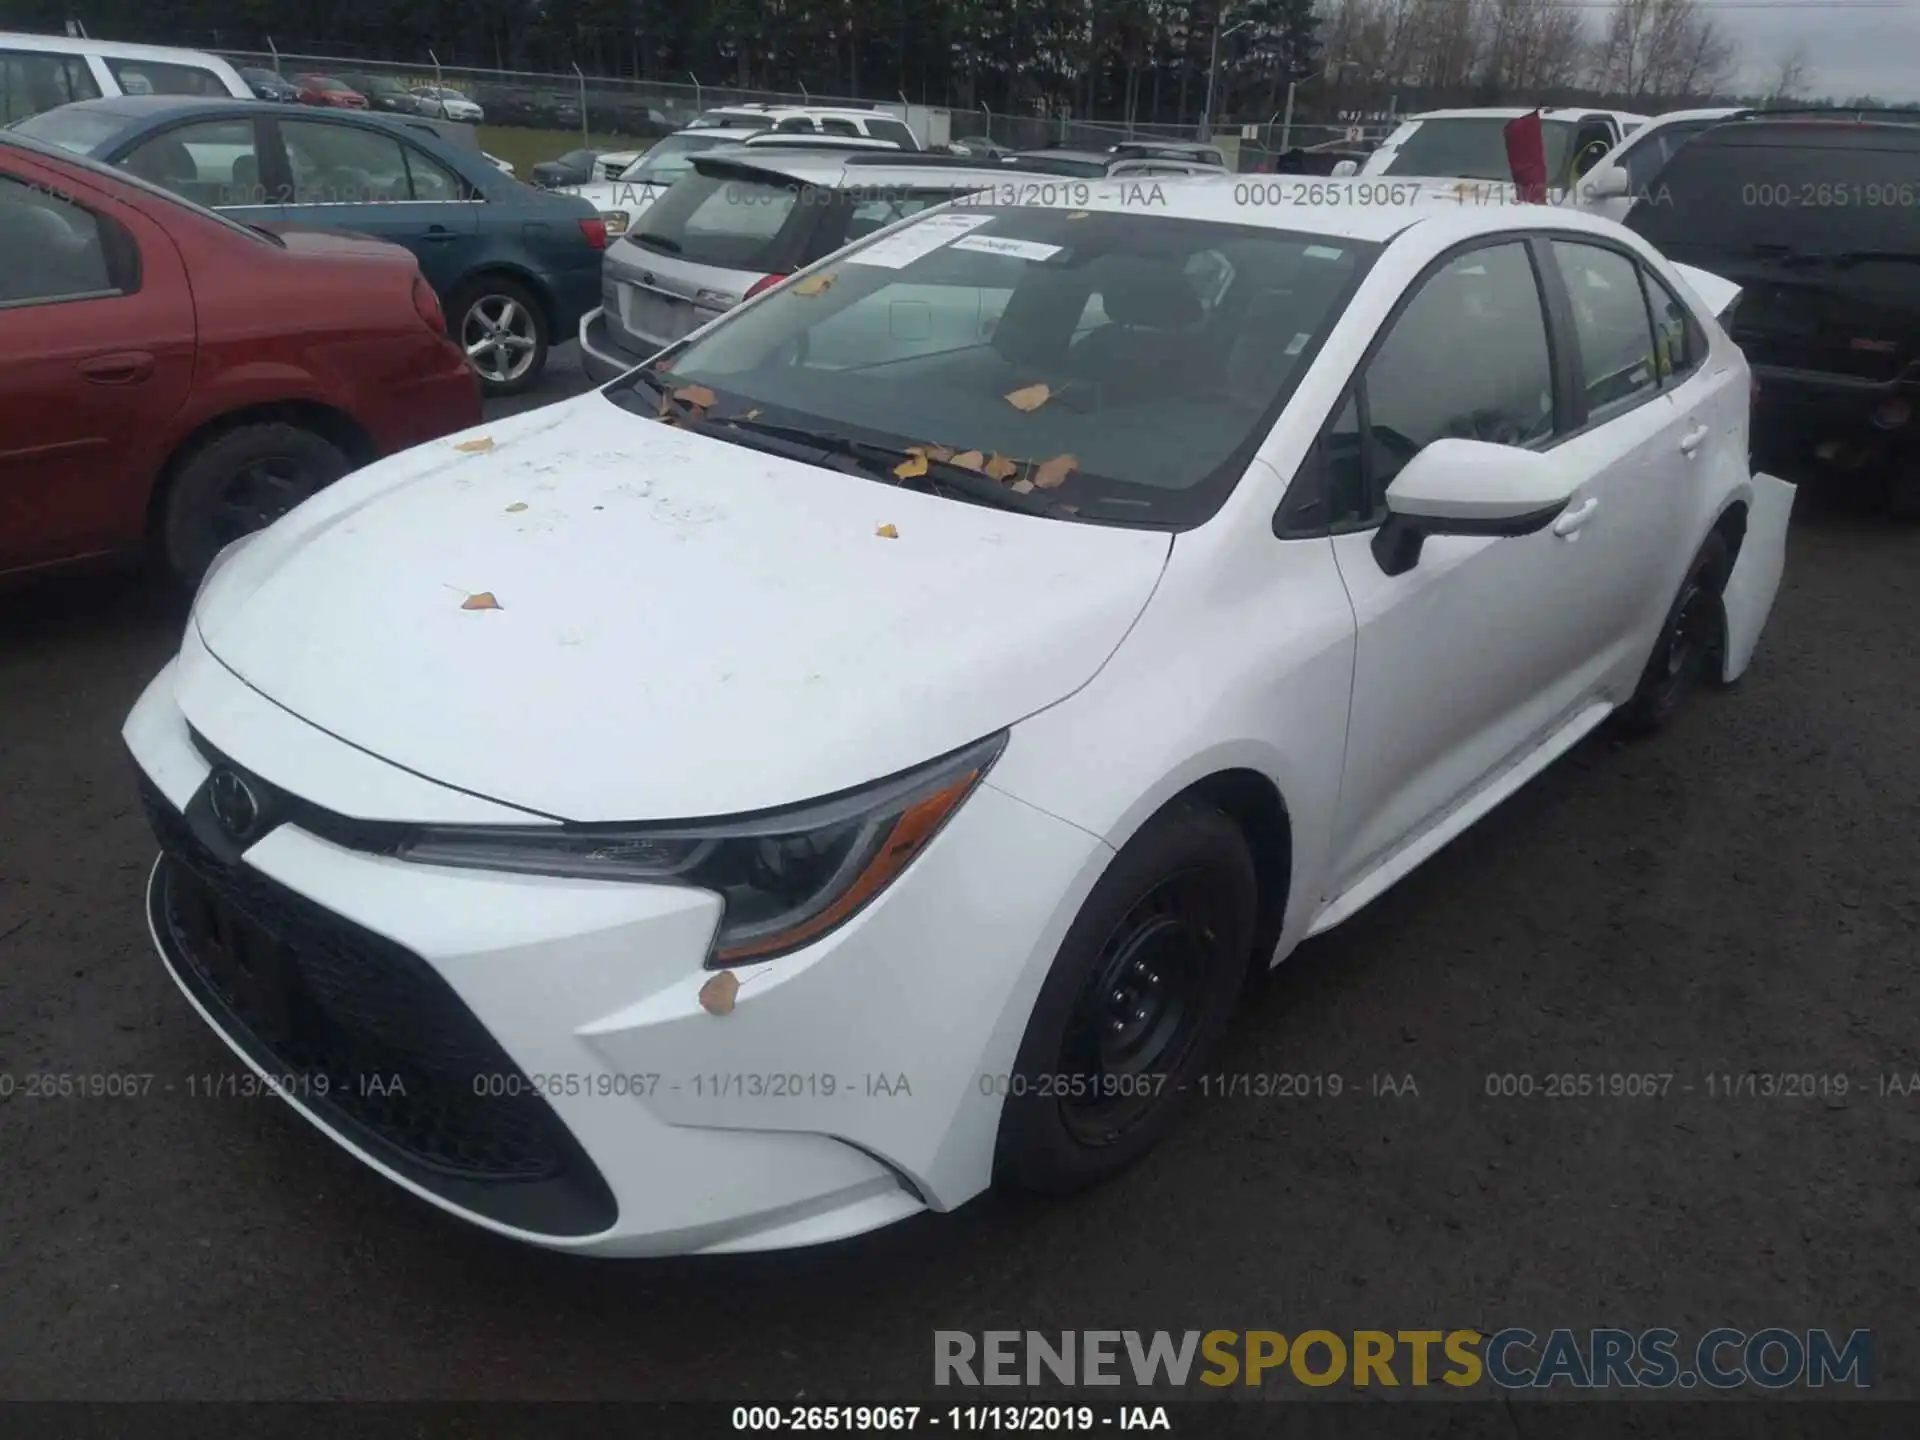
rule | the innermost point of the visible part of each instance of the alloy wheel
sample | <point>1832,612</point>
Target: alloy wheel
<point>498,333</point>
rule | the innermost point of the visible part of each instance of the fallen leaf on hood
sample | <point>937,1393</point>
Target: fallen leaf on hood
<point>887,532</point>
<point>1029,397</point>
<point>1001,468</point>
<point>1079,214</point>
<point>970,460</point>
<point>1055,471</point>
<point>516,507</point>
<point>940,453</point>
<point>915,464</point>
<point>475,447</point>
<point>717,995</point>
<point>813,285</point>
<point>483,601</point>
<point>695,395</point>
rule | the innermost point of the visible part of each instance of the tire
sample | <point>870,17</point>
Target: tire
<point>234,483</point>
<point>1690,640</point>
<point>497,307</point>
<point>1143,986</point>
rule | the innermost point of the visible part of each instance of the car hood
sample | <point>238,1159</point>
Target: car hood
<point>684,627</point>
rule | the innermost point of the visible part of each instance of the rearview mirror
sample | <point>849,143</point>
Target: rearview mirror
<point>1468,487</point>
<point>1347,167</point>
<point>1607,183</point>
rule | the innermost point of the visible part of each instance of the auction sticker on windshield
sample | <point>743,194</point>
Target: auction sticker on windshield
<point>1001,245</point>
<point>896,252</point>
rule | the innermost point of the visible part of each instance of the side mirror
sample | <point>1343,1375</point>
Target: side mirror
<point>1468,487</point>
<point>1607,183</point>
<point>1347,167</point>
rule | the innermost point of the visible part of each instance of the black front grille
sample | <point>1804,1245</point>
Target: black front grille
<point>368,1035</point>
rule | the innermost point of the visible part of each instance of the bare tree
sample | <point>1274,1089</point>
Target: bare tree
<point>1791,79</point>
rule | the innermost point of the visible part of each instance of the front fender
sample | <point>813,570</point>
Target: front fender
<point>1748,597</point>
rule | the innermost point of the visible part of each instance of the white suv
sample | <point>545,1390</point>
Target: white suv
<point>38,72</point>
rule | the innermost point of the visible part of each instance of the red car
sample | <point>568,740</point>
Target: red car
<point>171,380</point>
<point>325,90</point>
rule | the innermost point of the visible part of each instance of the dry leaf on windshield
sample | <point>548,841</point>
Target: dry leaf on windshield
<point>695,395</point>
<point>516,507</point>
<point>483,601</point>
<point>941,454</point>
<point>887,532</point>
<point>1021,487</point>
<point>718,994</point>
<point>1055,471</point>
<point>475,447</point>
<point>1029,397</point>
<point>970,460</point>
<point>914,465</point>
<point>1001,468</point>
<point>753,414</point>
<point>813,285</point>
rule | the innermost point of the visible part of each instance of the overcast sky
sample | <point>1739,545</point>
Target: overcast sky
<point>1852,50</point>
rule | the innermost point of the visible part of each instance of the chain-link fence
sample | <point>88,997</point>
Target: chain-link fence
<point>600,111</point>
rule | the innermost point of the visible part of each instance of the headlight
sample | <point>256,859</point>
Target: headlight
<point>616,221</point>
<point>227,552</point>
<point>787,877</point>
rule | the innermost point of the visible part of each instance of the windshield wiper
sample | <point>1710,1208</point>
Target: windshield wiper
<point>881,460</point>
<point>655,241</point>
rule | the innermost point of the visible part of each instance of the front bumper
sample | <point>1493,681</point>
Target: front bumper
<point>601,356</point>
<point>575,1093</point>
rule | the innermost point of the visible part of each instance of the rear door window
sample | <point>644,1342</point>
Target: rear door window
<point>153,77</point>
<point>58,250</point>
<point>213,163</point>
<point>33,82</point>
<point>883,129</point>
<point>726,221</point>
<point>1610,325</point>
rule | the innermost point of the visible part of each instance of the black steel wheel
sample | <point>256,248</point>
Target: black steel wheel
<point>1141,989</point>
<point>1688,645</point>
<point>235,483</point>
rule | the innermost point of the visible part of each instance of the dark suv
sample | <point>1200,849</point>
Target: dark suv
<point>1818,219</point>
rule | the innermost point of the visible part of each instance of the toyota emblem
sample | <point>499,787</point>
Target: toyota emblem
<point>234,805</point>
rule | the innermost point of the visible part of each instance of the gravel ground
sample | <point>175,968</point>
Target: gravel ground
<point>1736,895</point>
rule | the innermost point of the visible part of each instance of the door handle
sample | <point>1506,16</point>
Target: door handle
<point>1569,524</point>
<point>129,367</point>
<point>1693,439</point>
<point>438,234</point>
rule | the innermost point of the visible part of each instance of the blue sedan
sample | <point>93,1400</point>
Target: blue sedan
<point>513,266</point>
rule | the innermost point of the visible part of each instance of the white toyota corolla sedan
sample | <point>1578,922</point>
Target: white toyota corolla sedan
<point>861,756</point>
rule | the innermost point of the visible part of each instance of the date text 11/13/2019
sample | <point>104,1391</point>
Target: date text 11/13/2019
<point>961,1418</point>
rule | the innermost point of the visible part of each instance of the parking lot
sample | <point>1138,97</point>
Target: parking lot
<point>1738,895</point>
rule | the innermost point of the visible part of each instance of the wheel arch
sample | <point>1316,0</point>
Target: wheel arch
<point>330,423</point>
<point>509,269</point>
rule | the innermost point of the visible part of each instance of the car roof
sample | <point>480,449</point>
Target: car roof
<point>830,170</point>
<point>142,111</point>
<point>109,49</point>
<point>1095,157</point>
<point>1514,112</point>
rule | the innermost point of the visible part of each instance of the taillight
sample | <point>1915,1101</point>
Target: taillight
<point>765,282</point>
<point>596,232</point>
<point>426,305</point>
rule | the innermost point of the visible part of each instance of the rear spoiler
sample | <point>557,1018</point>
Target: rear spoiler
<point>1718,294</point>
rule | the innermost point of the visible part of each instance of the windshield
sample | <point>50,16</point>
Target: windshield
<point>1472,149</point>
<point>1123,365</point>
<point>673,157</point>
<point>80,131</point>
